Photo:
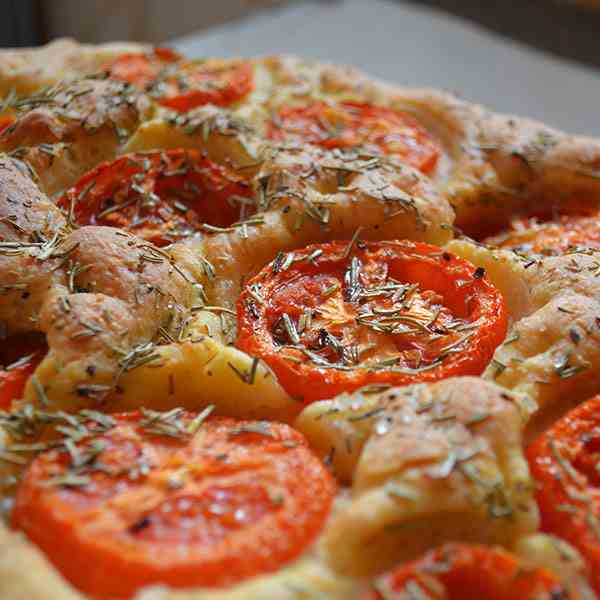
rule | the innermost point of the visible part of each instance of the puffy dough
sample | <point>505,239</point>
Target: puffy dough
<point>552,354</point>
<point>17,556</point>
<point>201,371</point>
<point>29,225</point>
<point>100,295</point>
<point>28,70</point>
<point>108,316</point>
<point>214,130</point>
<point>72,127</point>
<point>432,463</point>
<point>523,166</point>
<point>308,579</point>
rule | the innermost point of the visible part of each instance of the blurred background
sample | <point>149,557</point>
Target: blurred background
<point>539,58</point>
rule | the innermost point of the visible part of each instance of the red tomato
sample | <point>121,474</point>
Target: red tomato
<point>19,357</point>
<point>468,572</point>
<point>181,84</point>
<point>161,498</point>
<point>564,463</point>
<point>328,321</point>
<point>5,122</point>
<point>551,236</point>
<point>159,196</point>
<point>375,129</point>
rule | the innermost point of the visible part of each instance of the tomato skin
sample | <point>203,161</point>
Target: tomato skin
<point>12,382</point>
<point>563,462</point>
<point>20,356</point>
<point>237,85</point>
<point>183,191</point>
<point>551,236</point>
<point>139,69</point>
<point>182,85</point>
<point>471,572</point>
<point>350,124</point>
<point>464,292</point>
<point>5,122</point>
<point>233,500</point>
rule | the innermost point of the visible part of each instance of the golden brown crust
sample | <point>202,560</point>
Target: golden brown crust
<point>66,131</point>
<point>97,293</point>
<point>28,70</point>
<point>27,220</point>
<point>553,353</point>
<point>442,461</point>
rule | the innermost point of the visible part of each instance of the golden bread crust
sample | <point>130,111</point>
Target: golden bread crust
<point>443,461</point>
<point>28,70</point>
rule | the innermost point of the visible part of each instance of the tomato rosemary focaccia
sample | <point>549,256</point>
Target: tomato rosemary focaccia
<point>273,329</point>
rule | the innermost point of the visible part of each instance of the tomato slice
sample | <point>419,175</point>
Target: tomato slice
<point>329,320</point>
<point>375,129</point>
<point>183,85</point>
<point>160,196</point>
<point>551,236</point>
<point>169,498</point>
<point>468,572</point>
<point>19,355</point>
<point>564,462</point>
<point>142,69</point>
<point>5,121</point>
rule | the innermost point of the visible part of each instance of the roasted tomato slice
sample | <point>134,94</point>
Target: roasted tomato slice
<point>160,196</point>
<point>329,320</point>
<point>181,84</point>
<point>374,129</point>
<point>141,70</point>
<point>5,121</point>
<point>468,572</point>
<point>564,463</point>
<point>551,235</point>
<point>169,498</point>
<point>19,357</point>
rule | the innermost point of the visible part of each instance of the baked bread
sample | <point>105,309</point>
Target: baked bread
<point>277,330</point>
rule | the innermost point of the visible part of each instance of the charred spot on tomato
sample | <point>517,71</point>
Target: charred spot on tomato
<point>550,231</point>
<point>140,525</point>
<point>350,125</point>
<point>181,84</point>
<point>389,312</point>
<point>162,197</point>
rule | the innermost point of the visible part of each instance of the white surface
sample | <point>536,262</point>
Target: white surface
<point>417,46</point>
